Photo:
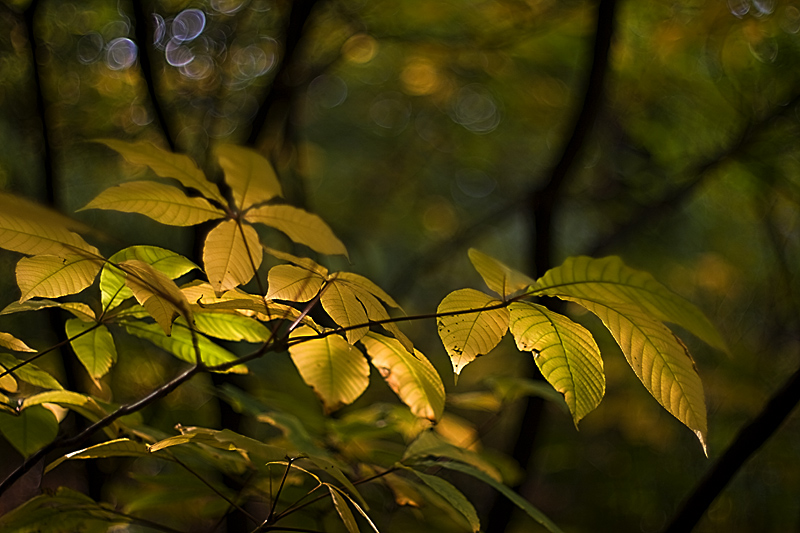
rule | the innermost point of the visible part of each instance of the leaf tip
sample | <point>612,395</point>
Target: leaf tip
<point>702,438</point>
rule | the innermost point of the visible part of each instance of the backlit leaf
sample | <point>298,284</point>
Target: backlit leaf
<point>431,443</point>
<point>340,504</point>
<point>344,308</point>
<point>112,280</point>
<point>82,404</point>
<point>452,496</point>
<point>7,340</point>
<point>336,370</point>
<point>305,262</point>
<point>610,281</point>
<point>302,227</point>
<point>50,276</point>
<point>564,351</point>
<point>293,283</point>
<point>180,345</point>
<point>166,164</point>
<point>28,372</point>
<point>411,377</point>
<point>30,430</point>
<point>78,309</point>
<point>366,284</point>
<point>26,233</point>
<point>470,329</point>
<point>498,277</point>
<point>112,448</point>
<point>154,291</point>
<point>335,472</point>
<point>95,348</point>
<point>249,175</point>
<point>231,255</point>
<point>163,203</point>
<point>231,327</point>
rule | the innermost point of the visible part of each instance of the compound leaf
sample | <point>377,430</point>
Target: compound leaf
<point>50,276</point>
<point>293,283</point>
<point>28,372</point>
<point>250,176</point>
<point>302,227</point>
<point>498,277</point>
<point>231,254</point>
<point>345,309</point>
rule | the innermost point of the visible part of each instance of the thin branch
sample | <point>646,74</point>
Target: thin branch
<point>65,442</point>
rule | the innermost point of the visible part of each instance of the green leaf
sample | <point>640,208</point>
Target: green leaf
<point>163,203</point>
<point>340,503</point>
<point>7,340</point>
<point>231,254</point>
<point>78,309</point>
<point>95,349</point>
<point>166,165</point>
<point>29,431</point>
<point>50,276</point>
<point>564,351</point>
<point>29,372</point>
<point>430,443</point>
<point>112,448</point>
<point>231,327</point>
<point>336,370</point>
<point>451,495</point>
<point>293,283</point>
<point>112,280</point>
<point>300,226</point>
<point>180,345</point>
<point>609,281</point>
<point>83,404</point>
<point>64,511</point>
<point>411,377</point>
<point>158,294</point>
<point>249,175</point>
<point>506,491</point>
<point>334,471</point>
<point>498,277</point>
<point>344,308</point>
<point>222,440</point>
<point>469,331</point>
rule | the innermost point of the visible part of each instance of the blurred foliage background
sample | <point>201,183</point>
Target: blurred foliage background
<point>420,128</point>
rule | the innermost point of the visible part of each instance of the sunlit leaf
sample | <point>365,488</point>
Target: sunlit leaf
<point>411,377</point>
<point>222,440</point>
<point>335,472</point>
<point>337,371</point>
<point>78,309</point>
<point>166,164</point>
<point>28,372</point>
<point>609,281</point>
<point>27,234</point>
<point>368,294</point>
<point>82,404</point>
<point>112,448</point>
<point>112,280</point>
<point>50,276</point>
<point>30,430</point>
<point>565,353</point>
<point>9,384</point>
<point>474,326</point>
<point>249,175</point>
<point>344,308</point>
<point>7,340</point>
<point>498,277</point>
<point>305,262</point>
<point>366,284</point>
<point>452,496</point>
<point>231,254</point>
<point>293,283</point>
<point>163,203</point>
<point>157,293</point>
<point>302,227</point>
<point>180,345</point>
<point>432,444</point>
<point>231,327</point>
<point>506,491</point>
<point>95,348</point>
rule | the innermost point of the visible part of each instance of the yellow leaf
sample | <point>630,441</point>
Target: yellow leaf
<point>302,227</point>
<point>232,255</point>
<point>7,340</point>
<point>564,351</point>
<point>28,372</point>
<point>158,294</point>
<point>344,308</point>
<point>166,165</point>
<point>50,276</point>
<point>411,377</point>
<point>498,277</point>
<point>112,448</point>
<point>305,262</point>
<point>375,310</point>
<point>95,349</point>
<point>32,234</point>
<point>249,174</point>
<point>336,370</point>
<point>293,283</point>
<point>231,327</point>
<point>367,285</point>
<point>78,309</point>
<point>163,203</point>
<point>470,329</point>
